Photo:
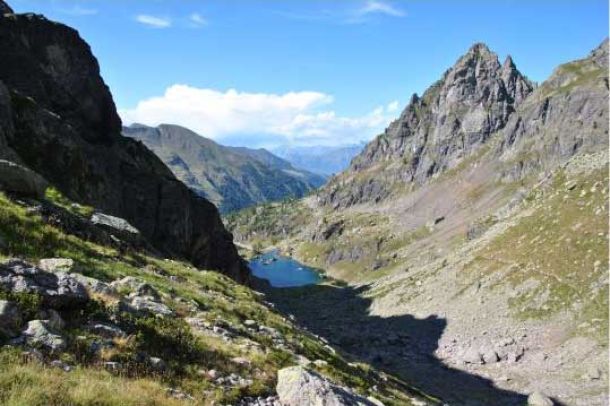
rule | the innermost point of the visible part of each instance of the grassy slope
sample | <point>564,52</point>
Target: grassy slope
<point>186,352</point>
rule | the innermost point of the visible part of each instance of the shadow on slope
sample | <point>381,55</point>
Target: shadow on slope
<point>402,345</point>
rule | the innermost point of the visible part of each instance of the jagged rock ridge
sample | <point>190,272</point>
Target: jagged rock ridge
<point>454,117</point>
<point>58,118</point>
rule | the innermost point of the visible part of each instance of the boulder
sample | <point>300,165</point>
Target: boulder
<point>10,318</point>
<point>147,305</point>
<point>56,264</point>
<point>53,319</point>
<point>539,399</point>
<point>58,290</point>
<point>40,334</point>
<point>297,386</point>
<point>106,330</point>
<point>113,224</point>
<point>21,180</point>
<point>93,285</point>
<point>472,356</point>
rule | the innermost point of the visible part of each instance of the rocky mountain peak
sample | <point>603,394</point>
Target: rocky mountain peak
<point>455,116</point>
<point>5,8</point>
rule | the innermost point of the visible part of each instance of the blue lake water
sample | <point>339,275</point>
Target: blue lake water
<point>283,272</point>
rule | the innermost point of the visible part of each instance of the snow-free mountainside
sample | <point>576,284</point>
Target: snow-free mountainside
<point>473,237</point>
<point>230,177</point>
<point>464,250</point>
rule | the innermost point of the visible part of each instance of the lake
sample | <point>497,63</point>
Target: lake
<point>283,272</point>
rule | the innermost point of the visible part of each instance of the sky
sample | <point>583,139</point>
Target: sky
<point>263,73</point>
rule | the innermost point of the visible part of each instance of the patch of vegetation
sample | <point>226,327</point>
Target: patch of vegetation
<point>187,353</point>
<point>561,249</point>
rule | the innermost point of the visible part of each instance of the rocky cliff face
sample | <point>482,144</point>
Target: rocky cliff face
<point>59,119</point>
<point>566,115</point>
<point>232,178</point>
<point>453,118</point>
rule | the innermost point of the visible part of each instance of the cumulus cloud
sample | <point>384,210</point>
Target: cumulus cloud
<point>304,118</point>
<point>153,21</point>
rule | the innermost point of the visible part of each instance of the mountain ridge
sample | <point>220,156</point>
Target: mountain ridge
<point>231,177</point>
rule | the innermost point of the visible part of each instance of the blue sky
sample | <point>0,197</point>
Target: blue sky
<point>262,73</point>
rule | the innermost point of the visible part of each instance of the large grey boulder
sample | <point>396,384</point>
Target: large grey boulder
<point>40,334</point>
<point>10,318</point>
<point>19,179</point>
<point>113,223</point>
<point>58,290</point>
<point>297,386</point>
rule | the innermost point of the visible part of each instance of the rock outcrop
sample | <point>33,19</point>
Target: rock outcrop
<point>566,115</point>
<point>58,118</point>
<point>297,386</point>
<point>452,119</point>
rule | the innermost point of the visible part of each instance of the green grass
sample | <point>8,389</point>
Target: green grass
<point>186,352</point>
<point>562,248</point>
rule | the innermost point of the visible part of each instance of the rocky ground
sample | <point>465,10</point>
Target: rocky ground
<point>483,243</point>
<point>90,317</point>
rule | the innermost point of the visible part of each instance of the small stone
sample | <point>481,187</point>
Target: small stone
<point>60,365</point>
<point>539,399</point>
<point>112,366</point>
<point>472,356</point>
<point>320,363</point>
<point>157,364</point>
<point>593,373</point>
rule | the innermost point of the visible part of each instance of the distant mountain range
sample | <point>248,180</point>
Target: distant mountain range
<point>320,159</point>
<point>231,177</point>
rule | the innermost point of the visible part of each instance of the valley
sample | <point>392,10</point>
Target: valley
<point>460,257</point>
<point>501,256</point>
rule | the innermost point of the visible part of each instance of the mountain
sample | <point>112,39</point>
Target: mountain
<point>97,309</point>
<point>59,120</point>
<point>483,209</point>
<point>230,177</point>
<point>451,121</point>
<point>320,159</point>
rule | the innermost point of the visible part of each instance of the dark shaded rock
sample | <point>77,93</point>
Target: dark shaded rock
<point>21,180</point>
<point>5,8</point>
<point>62,123</point>
<point>57,290</point>
<point>10,319</point>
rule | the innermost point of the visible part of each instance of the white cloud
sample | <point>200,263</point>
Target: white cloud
<point>197,20</point>
<point>393,106</point>
<point>303,118</point>
<point>77,10</point>
<point>380,7</point>
<point>153,21</point>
